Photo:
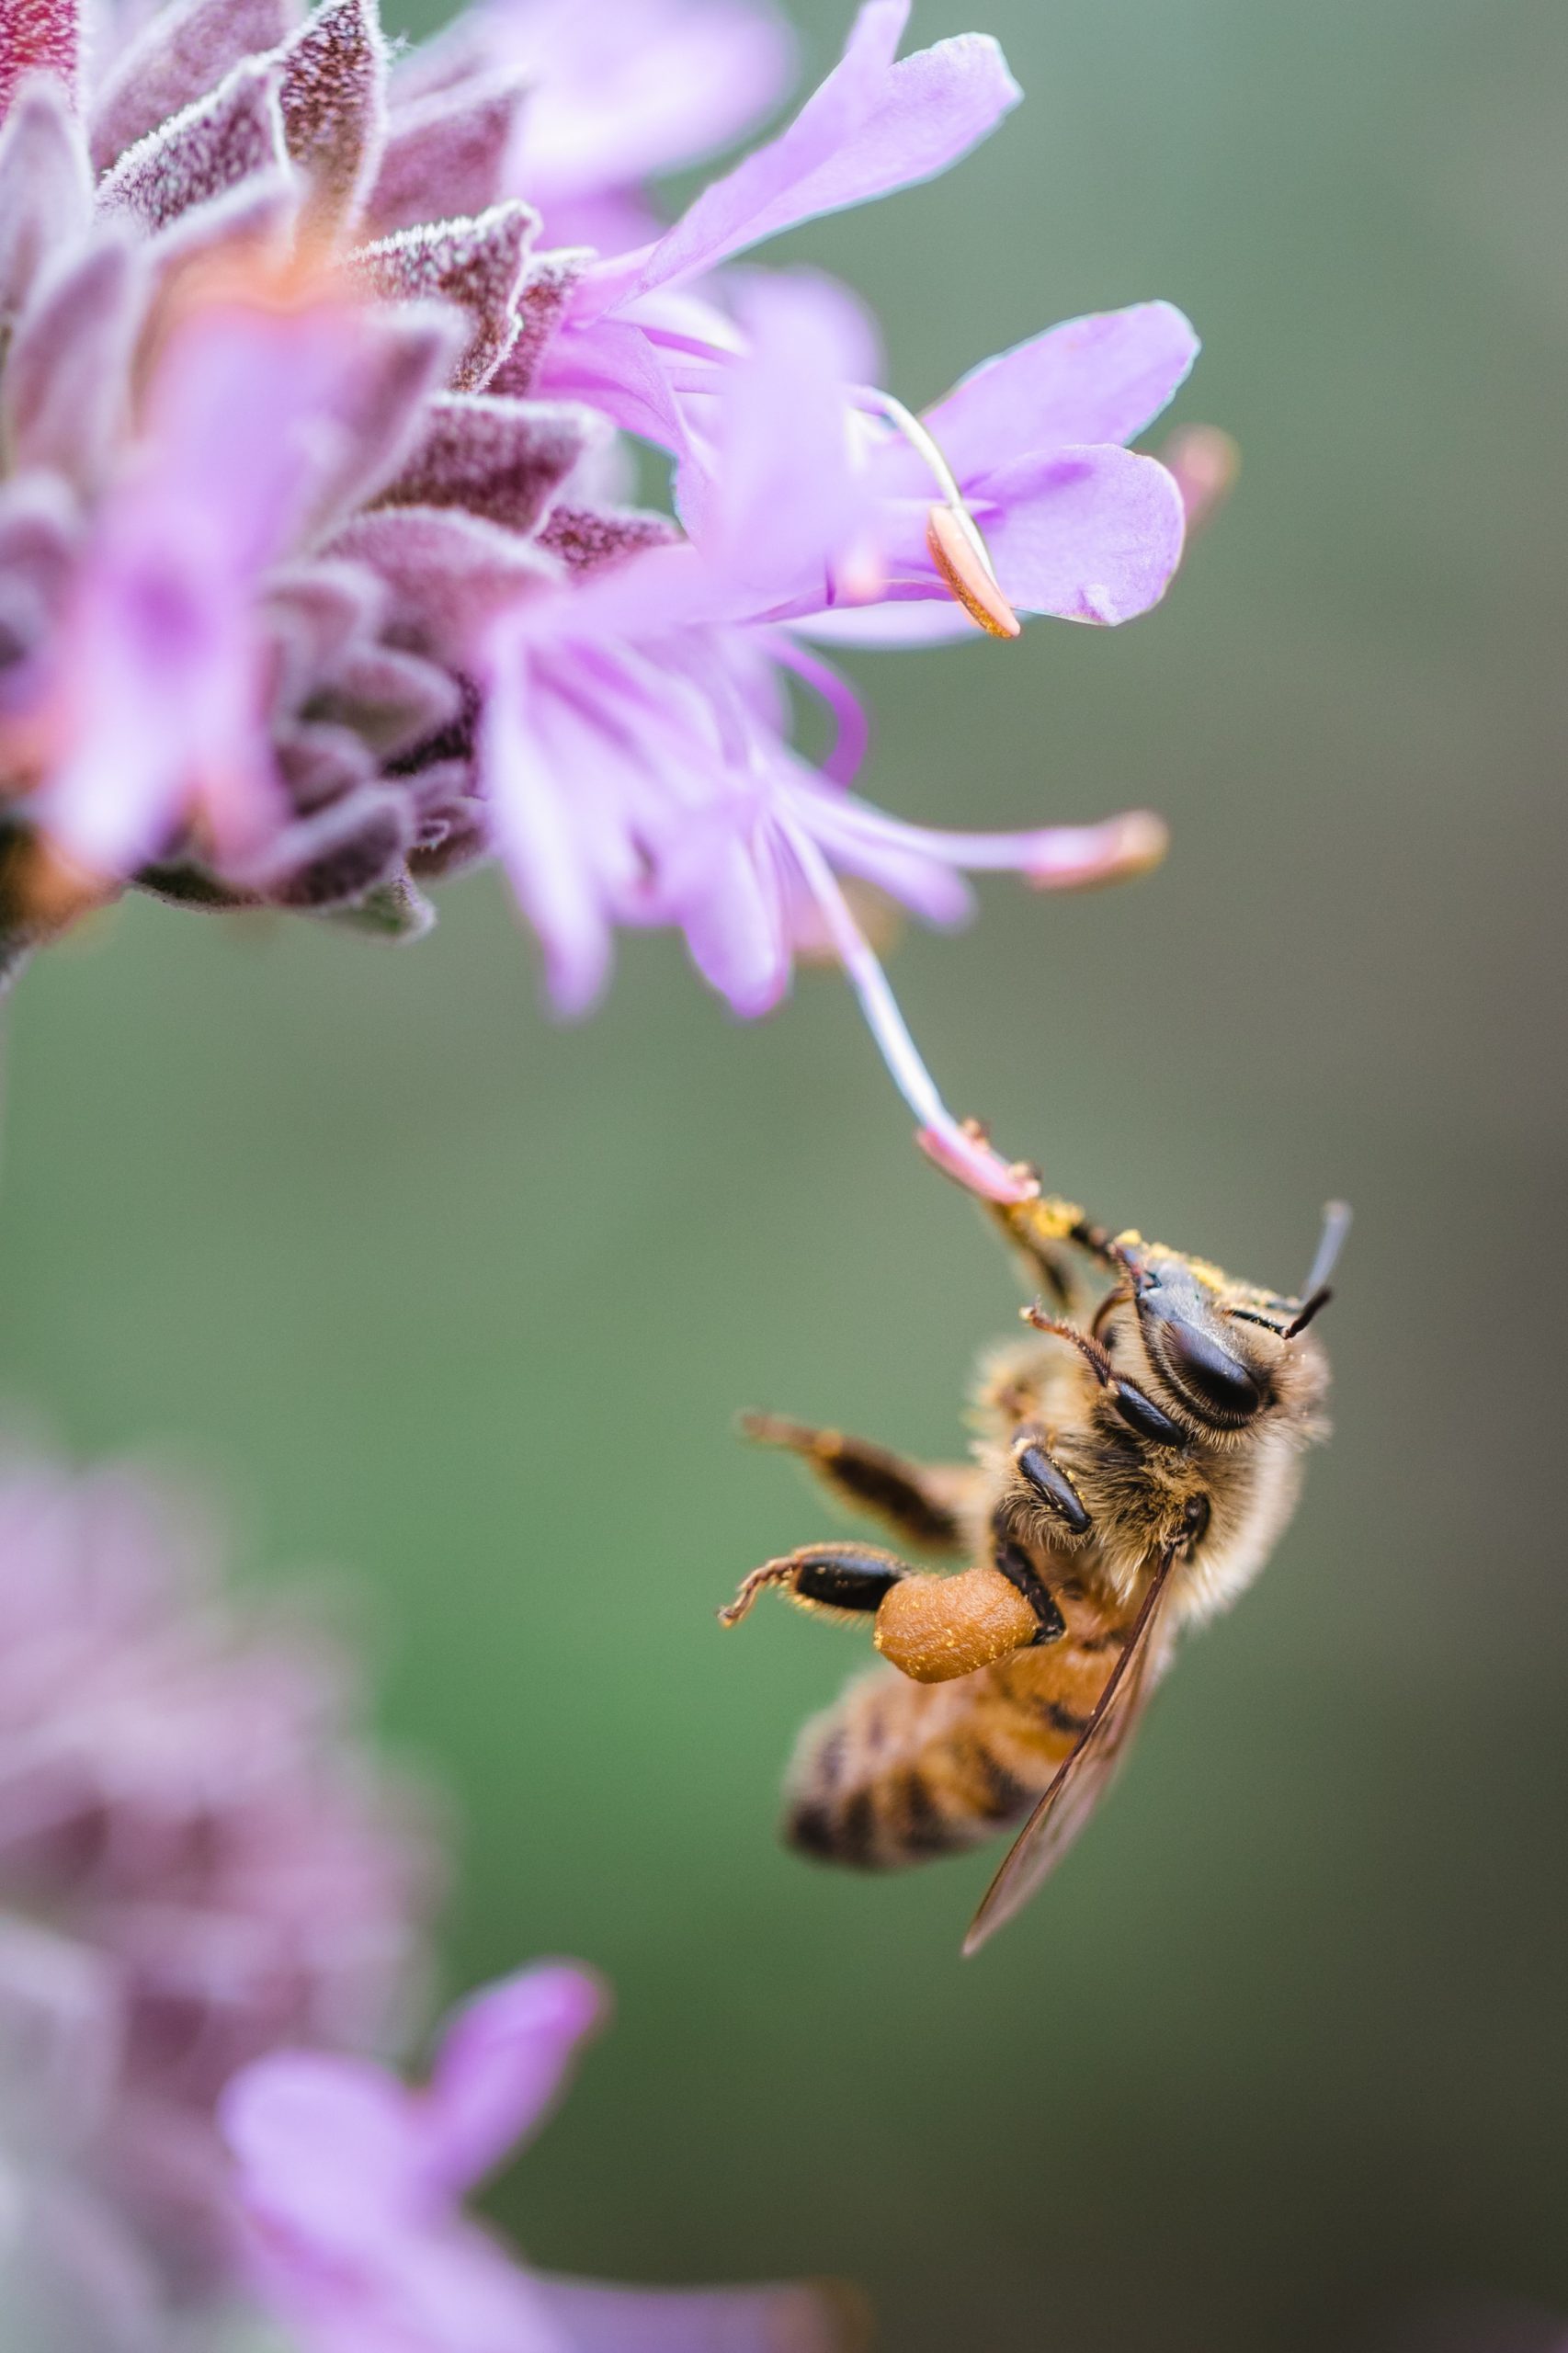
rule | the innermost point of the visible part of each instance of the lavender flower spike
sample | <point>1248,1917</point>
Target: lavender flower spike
<point>351,2188</point>
<point>196,1862</point>
<point>417,624</point>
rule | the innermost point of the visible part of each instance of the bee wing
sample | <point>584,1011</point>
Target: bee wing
<point>1082,1780</point>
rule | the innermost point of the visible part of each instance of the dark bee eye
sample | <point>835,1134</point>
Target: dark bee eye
<point>1210,1375</point>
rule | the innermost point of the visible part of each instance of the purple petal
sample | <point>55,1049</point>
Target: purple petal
<point>446,155</point>
<point>929,619</point>
<point>859,840</point>
<point>617,221</point>
<point>180,53</point>
<point>1099,379</point>
<point>62,393</point>
<point>296,390</point>
<point>216,142</point>
<point>503,2062</point>
<point>334,101</point>
<point>44,36</point>
<point>501,458</point>
<point>782,498</point>
<point>475,265</point>
<point>613,366</point>
<point>630,88</point>
<point>726,894</point>
<point>1090,535</point>
<point>549,873</point>
<point>160,664</point>
<point>328,2149</point>
<point>798,2318</point>
<point>46,189</point>
<point>162,700</point>
<point>872,126</point>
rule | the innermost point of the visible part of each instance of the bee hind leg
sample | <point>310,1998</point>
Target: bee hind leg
<point>835,1580</point>
<point>921,1502</point>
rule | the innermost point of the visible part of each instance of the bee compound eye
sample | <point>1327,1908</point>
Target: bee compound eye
<point>1206,1373</point>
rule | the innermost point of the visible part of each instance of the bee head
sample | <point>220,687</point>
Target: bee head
<point>1224,1351</point>
<point>1212,1372</point>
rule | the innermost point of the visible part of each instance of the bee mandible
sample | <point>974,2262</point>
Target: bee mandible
<point>1136,1460</point>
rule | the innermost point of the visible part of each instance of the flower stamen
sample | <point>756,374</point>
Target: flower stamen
<point>958,1147</point>
<point>954,539</point>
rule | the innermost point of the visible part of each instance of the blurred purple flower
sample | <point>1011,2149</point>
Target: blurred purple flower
<point>73,2277</point>
<point>198,1863</point>
<point>351,2188</point>
<point>416,623</point>
<point>603,98</point>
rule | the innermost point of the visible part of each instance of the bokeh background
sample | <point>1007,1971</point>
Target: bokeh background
<point>467,1301</point>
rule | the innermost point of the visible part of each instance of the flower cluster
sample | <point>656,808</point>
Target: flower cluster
<point>317,576</point>
<point>212,1905</point>
<point>197,1860</point>
<point>351,2188</point>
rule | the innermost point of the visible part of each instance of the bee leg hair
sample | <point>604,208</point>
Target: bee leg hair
<point>838,1580</point>
<point>1046,1484</point>
<point>917,1501</point>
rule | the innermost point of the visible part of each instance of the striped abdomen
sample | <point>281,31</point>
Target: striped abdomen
<point>898,1771</point>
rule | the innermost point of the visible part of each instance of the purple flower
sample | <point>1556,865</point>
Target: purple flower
<point>416,623</point>
<point>351,2188</point>
<point>609,97</point>
<point>197,1863</point>
<point>636,739</point>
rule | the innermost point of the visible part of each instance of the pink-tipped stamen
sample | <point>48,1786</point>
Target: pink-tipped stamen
<point>1050,858</point>
<point>1083,857</point>
<point>953,537</point>
<point>962,1152</point>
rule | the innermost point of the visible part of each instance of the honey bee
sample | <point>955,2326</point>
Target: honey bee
<point>1137,1459</point>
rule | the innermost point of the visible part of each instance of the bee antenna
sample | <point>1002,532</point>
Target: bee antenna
<point>1312,1307</point>
<point>1331,1242</point>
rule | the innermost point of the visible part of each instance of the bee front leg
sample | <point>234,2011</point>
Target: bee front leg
<point>1043,1231</point>
<point>839,1580</point>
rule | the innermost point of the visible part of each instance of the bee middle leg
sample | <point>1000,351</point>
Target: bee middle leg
<point>920,1502</point>
<point>837,1580</point>
<point>931,1628</point>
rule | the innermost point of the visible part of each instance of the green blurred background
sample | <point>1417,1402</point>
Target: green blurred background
<point>467,1301</point>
